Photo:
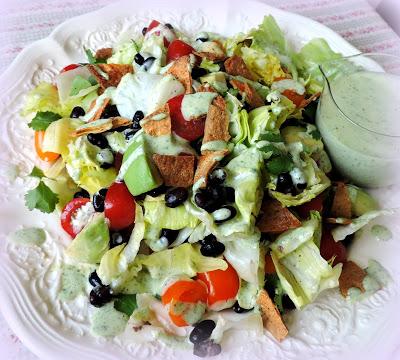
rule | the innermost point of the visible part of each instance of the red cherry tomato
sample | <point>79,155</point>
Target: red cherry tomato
<point>177,49</point>
<point>69,67</point>
<point>43,155</point>
<point>153,24</point>
<point>222,285</point>
<point>69,211</point>
<point>269,265</point>
<point>189,130</point>
<point>119,206</point>
<point>330,248</point>
<point>189,291</point>
<point>316,204</point>
<point>294,97</point>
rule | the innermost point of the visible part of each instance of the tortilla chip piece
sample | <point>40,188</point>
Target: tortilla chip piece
<point>114,73</point>
<point>206,88</point>
<point>236,66</point>
<point>93,127</point>
<point>99,112</point>
<point>341,205</point>
<point>305,102</point>
<point>271,317</point>
<point>352,276</point>
<point>176,170</point>
<point>275,218</point>
<point>157,123</point>
<point>217,122</point>
<point>207,162</point>
<point>181,69</point>
<point>340,221</point>
<point>252,96</point>
<point>103,53</point>
<point>213,56</point>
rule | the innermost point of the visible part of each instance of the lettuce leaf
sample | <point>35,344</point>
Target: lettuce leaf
<point>209,65</point>
<point>238,120</point>
<point>43,97</point>
<point>124,54</point>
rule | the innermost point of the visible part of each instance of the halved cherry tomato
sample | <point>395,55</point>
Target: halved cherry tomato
<point>153,24</point>
<point>119,206</point>
<point>189,291</point>
<point>222,285</point>
<point>187,129</point>
<point>269,265</point>
<point>43,155</point>
<point>69,67</point>
<point>177,49</point>
<point>330,248</point>
<point>294,97</point>
<point>316,204</point>
<point>69,211</point>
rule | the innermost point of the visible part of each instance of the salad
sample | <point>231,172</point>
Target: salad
<point>194,186</point>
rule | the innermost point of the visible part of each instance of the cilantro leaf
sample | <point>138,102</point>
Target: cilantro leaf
<point>36,172</point>
<point>43,119</point>
<point>272,137</point>
<point>280,164</point>
<point>316,134</point>
<point>271,148</point>
<point>41,198</point>
<point>126,304</point>
<point>91,58</point>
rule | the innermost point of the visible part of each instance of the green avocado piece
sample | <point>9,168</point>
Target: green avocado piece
<point>361,201</point>
<point>139,172</point>
<point>92,242</point>
<point>217,80</point>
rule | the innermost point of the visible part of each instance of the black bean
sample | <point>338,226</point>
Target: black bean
<point>221,65</point>
<point>198,72</point>
<point>157,191</point>
<point>175,196</point>
<point>82,194</point>
<point>117,239</point>
<point>106,166</point>
<point>98,140</point>
<point>284,183</point>
<point>301,186</point>
<point>138,115</point>
<point>206,348</point>
<point>110,111</point>
<point>144,31</point>
<point>139,59</point>
<point>204,199</point>
<point>129,134</point>
<point>196,145</point>
<point>230,194</point>
<point>76,112</point>
<point>103,192</point>
<point>100,295</point>
<point>202,331</point>
<point>230,214</point>
<point>287,303</point>
<point>217,176</point>
<point>202,39</point>
<point>169,26</point>
<point>169,235</point>
<point>94,279</point>
<point>211,247</point>
<point>238,309</point>
<point>98,202</point>
<point>136,126</point>
<point>148,62</point>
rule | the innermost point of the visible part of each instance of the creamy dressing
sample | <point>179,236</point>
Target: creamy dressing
<point>28,236</point>
<point>82,217</point>
<point>73,283</point>
<point>372,100</point>
<point>127,163</point>
<point>107,322</point>
<point>214,145</point>
<point>196,105</point>
<point>288,84</point>
<point>381,233</point>
<point>108,93</point>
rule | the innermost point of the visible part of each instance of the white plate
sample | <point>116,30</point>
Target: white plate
<point>29,278</point>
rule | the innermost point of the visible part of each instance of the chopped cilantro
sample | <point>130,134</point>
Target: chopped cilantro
<point>41,198</point>
<point>43,119</point>
<point>280,164</point>
<point>126,304</point>
<point>36,172</point>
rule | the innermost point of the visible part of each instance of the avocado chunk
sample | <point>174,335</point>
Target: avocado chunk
<point>92,242</point>
<point>217,80</point>
<point>138,171</point>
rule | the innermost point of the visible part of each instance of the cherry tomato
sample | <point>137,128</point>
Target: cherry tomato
<point>294,97</point>
<point>119,206</point>
<point>43,155</point>
<point>329,248</point>
<point>189,130</point>
<point>316,204</point>
<point>189,291</point>
<point>177,49</point>
<point>152,25</point>
<point>69,211</point>
<point>269,265</point>
<point>222,285</point>
<point>69,67</point>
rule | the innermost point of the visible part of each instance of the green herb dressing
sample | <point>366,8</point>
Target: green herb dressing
<point>196,105</point>
<point>28,236</point>
<point>107,322</point>
<point>381,233</point>
<point>73,283</point>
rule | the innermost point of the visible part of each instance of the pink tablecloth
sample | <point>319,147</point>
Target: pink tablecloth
<point>23,21</point>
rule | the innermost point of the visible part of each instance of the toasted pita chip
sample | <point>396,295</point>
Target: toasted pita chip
<point>341,205</point>
<point>97,114</point>
<point>206,88</point>
<point>103,53</point>
<point>305,102</point>
<point>352,276</point>
<point>109,74</point>
<point>236,66</point>
<point>217,122</point>
<point>211,56</point>
<point>157,123</point>
<point>181,69</point>
<point>340,221</point>
<point>119,121</point>
<point>207,162</point>
<point>252,96</point>
<point>176,170</point>
<point>275,218</point>
<point>271,317</point>
<point>94,127</point>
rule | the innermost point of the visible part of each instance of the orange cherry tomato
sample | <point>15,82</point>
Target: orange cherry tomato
<point>294,97</point>
<point>43,155</point>
<point>269,265</point>
<point>222,285</point>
